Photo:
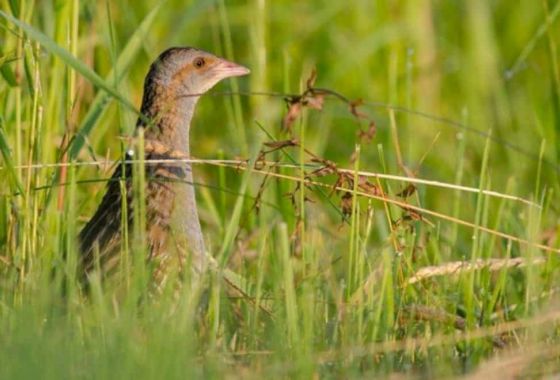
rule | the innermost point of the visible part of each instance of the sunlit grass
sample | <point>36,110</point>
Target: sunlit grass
<point>332,275</point>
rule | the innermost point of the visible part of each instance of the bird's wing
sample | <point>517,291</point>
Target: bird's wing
<point>102,234</point>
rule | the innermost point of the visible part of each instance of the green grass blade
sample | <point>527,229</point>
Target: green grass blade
<point>68,58</point>
<point>233,225</point>
<point>123,63</point>
<point>7,155</point>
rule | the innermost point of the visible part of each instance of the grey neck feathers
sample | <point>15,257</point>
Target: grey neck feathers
<point>167,121</point>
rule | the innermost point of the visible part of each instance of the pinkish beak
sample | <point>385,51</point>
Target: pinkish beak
<point>229,69</point>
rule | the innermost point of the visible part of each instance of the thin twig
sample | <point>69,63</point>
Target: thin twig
<point>421,181</point>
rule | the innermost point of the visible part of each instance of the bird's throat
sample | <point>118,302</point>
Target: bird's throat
<point>169,123</point>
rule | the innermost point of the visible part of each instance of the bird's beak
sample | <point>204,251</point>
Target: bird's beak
<point>226,69</point>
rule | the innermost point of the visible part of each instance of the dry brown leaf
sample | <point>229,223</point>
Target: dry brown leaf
<point>354,104</point>
<point>311,80</point>
<point>315,101</point>
<point>368,187</point>
<point>407,191</point>
<point>294,109</point>
<point>368,135</point>
<point>346,204</point>
<point>281,144</point>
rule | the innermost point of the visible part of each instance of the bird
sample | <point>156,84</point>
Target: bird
<point>172,88</point>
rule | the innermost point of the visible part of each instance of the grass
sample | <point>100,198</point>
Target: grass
<point>328,272</point>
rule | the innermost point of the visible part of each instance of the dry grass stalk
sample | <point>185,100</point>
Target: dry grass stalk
<point>457,267</point>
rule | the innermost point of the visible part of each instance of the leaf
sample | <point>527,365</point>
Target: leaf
<point>315,101</point>
<point>368,135</point>
<point>7,155</point>
<point>8,75</point>
<point>311,80</point>
<point>346,204</point>
<point>368,187</point>
<point>407,191</point>
<point>294,109</point>
<point>275,145</point>
<point>234,223</point>
<point>329,167</point>
<point>411,215</point>
<point>322,171</point>
<point>353,105</point>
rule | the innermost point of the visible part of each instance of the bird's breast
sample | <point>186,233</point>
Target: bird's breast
<point>172,211</point>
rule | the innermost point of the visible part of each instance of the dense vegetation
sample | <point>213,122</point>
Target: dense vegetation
<point>330,272</point>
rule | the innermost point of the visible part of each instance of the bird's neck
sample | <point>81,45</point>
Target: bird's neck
<point>168,122</point>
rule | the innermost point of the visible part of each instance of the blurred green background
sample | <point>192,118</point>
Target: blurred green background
<point>467,92</point>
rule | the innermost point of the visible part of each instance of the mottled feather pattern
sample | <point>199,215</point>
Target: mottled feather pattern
<point>103,232</point>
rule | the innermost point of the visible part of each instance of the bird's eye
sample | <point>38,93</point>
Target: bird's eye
<point>199,62</point>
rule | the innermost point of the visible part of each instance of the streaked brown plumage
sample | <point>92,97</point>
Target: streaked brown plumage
<point>171,90</point>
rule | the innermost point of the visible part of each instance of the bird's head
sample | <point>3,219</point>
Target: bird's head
<point>186,71</point>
